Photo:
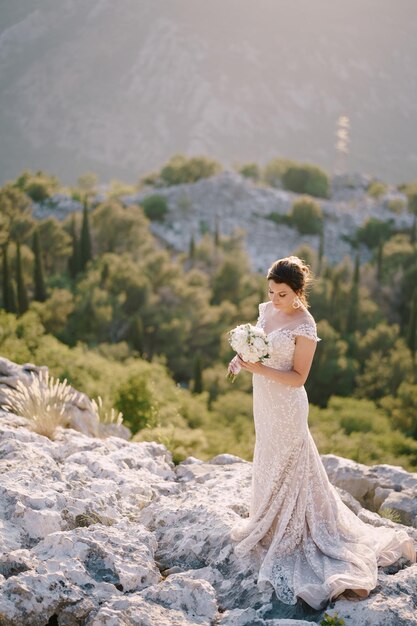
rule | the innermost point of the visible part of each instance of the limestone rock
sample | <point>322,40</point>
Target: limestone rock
<point>380,487</point>
<point>108,532</point>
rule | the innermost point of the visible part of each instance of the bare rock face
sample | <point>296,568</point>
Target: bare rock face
<point>106,532</point>
<point>380,487</point>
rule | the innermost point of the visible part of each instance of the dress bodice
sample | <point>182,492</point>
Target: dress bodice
<point>282,340</point>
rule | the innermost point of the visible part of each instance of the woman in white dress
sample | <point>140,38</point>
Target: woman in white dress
<point>309,544</point>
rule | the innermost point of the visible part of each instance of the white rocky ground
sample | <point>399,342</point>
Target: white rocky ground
<point>107,532</point>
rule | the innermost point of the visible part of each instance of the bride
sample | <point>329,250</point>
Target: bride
<point>309,544</point>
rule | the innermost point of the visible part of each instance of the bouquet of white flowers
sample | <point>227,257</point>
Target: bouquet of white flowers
<point>251,343</point>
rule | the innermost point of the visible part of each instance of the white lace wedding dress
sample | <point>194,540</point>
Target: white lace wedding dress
<point>308,544</point>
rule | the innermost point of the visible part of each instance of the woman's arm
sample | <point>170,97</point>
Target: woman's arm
<point>303,358</point>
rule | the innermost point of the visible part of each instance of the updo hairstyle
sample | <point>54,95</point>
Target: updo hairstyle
<point>293,272</point>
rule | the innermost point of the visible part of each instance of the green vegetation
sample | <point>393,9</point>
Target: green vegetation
<point>181,169</point>
<point>298,177</point>
<point>306,178</point>
<point>306,215</point>
<point>376,189</point>
<point>250,170</point>
<point>332,620</point>
<point>155,207</point>
<point>99,301</point>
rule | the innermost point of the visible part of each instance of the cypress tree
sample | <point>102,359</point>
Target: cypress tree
<point>191,250</point>
<point>104,274</point>
<point>198,375</point>
<point>9,296</point>
<point>353,310</point>
<point>22,296</point>
<point>12,297</point>
<point>413,232</point>
<point>38,272</point>
<point>412,327</point>
<point>216,232</point>
<point>5,279</point>
<point>379,261</point>
<point>136,334</point>
<point>320,251</point>
<point>74,262</point>
<point>86,254</point>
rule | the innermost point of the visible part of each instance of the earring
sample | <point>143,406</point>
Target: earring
<point>296,303</point>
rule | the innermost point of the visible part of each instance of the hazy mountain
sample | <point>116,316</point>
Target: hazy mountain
<point>119,87</point>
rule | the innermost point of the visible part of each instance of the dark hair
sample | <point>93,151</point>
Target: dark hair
<point>293,272</point>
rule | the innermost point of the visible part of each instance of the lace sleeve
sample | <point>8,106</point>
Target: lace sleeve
<point>307,330</point>
<point>261,308</point>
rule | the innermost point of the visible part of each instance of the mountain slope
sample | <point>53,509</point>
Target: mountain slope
<point>86,86</point>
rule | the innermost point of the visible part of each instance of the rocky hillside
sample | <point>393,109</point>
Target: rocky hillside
<point>104,532</point>
<point>240,204</point>
<point>85,87</point>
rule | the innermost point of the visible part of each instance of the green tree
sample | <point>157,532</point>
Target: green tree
<point>191,249</point>
<point>9,297</point>
<point>121,230</point>
<point>412,327</point>
<point>375,232</point>
<point>55,244</point>
<point>401,408</point>
<point>332,371</point>
<point>379,262</point>
<point>180,170</point>
<point>320,253</point>
<point>38,272</point>
<point>15,214</point>
<point>307,215</point>
<point>22,296</point>
<point>136,334</point>
<point>307,179</point>
<point>155,207</point>
<point>39,186</point>
<point>136,399</point>
<point>250,170</point>
<point>198,375</point>
<point>353,307</point>
<point>88,183</point>
<point>74,261</point>
<point>275,170</point>
<point>411,192</point>
<point>85,244</point>
<point>376,189</point>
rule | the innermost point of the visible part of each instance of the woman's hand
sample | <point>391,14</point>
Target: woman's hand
<point>232,368</point>
<point>255,368</point>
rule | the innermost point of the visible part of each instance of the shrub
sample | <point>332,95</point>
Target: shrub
<point>332,620</point>
<point>308,179</point>
<point>376,189</point>
<point>181,169</point>
<point>396,205</point>
<point>307,216</point>
<point>136,400</point>
<point>275,169</point>
<point>279,219</point>
<point>42,402</point>
<point>155,207</point>
<point>250,170</point>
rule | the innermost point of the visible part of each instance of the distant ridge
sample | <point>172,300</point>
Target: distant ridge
<point>86,87</point>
